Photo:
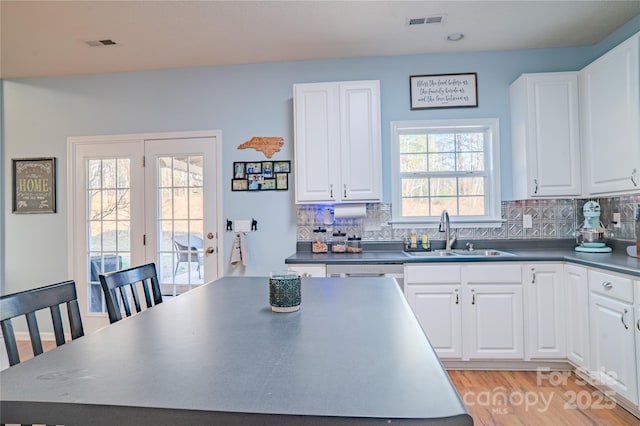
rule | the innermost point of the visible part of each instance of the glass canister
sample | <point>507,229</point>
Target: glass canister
<point>319,244</point>
<point>354,244</point>
<point>338,242</point>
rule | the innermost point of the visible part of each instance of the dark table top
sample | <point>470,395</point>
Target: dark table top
<point>354,353</point>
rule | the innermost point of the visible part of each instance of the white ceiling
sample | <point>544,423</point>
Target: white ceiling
<point>45,38</point>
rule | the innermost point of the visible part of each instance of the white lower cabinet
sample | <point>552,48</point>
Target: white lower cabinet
<point>577,315</point>
<point>492,315</point>
<point>613,349</point>
<point>544,308</point>
<point>469,311</point>
<point>433,292</point>
<point>636,330</point>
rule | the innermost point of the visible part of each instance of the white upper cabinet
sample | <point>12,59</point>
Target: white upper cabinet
<point>337,142</point>
<point>545,135</point>
<point>610,117</point>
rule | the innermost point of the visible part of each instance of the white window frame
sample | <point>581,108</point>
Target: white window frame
<point>492,218</point>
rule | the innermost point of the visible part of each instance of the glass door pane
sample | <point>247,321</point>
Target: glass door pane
<point>180,223</point>
<point>108,222</point>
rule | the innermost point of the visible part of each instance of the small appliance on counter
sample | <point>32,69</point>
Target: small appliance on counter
<point>590,236</point>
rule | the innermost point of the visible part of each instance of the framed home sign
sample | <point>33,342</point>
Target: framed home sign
<point>34,185</point>
<point>444,91</point>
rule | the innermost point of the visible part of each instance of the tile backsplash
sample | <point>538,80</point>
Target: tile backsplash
<point>552,219</point>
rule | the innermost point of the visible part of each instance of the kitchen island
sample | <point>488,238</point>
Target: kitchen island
<point>353,354</point>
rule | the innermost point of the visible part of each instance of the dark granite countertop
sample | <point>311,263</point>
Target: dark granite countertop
<point>392,253</point>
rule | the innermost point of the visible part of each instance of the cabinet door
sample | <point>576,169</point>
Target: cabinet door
<point>360,145</point>
<point>637,333</point>
<point>544,306</point>
<point>545,135</point>
<point>577,310</point>
<point>610,97</point>
<point>437,308</point>
<point>613,346</point>
<point>316,136</point>
<point>493,321</point>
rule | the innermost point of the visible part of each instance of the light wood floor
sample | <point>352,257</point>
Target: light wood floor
<point>535,399</point>
<point>524,398</point>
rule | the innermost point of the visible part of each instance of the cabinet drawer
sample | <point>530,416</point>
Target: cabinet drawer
<point>615,286</point>
<point>432,274</point>
<point>491,273</point>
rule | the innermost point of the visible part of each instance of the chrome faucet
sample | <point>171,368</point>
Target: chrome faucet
<point>444,223</point>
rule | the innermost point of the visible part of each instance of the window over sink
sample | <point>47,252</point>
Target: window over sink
<point>446,164</point>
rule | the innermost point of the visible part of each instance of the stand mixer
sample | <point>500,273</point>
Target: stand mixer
<point>590,236</point>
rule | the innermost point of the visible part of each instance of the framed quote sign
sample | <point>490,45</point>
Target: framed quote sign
<point>444,91</point>
<point>34,185</point>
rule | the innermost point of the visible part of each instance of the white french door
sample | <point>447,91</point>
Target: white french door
<point>139,200</point>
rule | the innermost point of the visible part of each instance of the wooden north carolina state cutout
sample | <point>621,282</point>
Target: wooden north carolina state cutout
<point>267,145</point>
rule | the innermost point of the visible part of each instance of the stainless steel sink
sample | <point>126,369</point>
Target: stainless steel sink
<point>459,253</point>
<point>435,253</point>
<point>482,253</point>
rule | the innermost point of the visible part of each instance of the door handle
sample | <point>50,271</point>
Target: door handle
<point>533,276</point>
<point>457,298</point>
<point>535,186</point>
<point>210,250</point>
<point>633,177</point>
<point>331,190</point>
<point>626,327</point>
<point>345,190</point>
<point>607,285</point>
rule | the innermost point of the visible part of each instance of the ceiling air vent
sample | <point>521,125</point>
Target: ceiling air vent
<point>435,19</point>
<point>101,43</point>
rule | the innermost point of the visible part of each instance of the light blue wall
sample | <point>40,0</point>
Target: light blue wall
<point>241,101</point>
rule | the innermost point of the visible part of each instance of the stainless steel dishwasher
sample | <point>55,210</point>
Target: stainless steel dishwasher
<point>368,270</point>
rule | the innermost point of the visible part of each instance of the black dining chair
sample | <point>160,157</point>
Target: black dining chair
<point>115,285</point>
<point>27,303</point>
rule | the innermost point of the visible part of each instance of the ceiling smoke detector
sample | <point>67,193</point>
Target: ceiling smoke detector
<point>435,19</point>
<point>455,37</point>
<point>101,43</point>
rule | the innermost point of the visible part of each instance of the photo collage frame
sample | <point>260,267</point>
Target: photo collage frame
<point>261,175</point>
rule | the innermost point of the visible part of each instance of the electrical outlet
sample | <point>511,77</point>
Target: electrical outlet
<point>527,221</point>
<point>616,220</point>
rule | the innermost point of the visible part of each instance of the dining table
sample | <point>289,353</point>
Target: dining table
<point>354,353</point>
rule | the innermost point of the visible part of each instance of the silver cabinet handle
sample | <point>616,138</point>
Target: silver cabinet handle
<point>345,190</point>
<point>533,276</point>
<point>626,327</point>
<point>331,190</point>
<point>473,298</point>
<point>457,298</point>
<point>633,177</point>
<point>535,187</point>
<point>607,285</point>
<point>638,325</point>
